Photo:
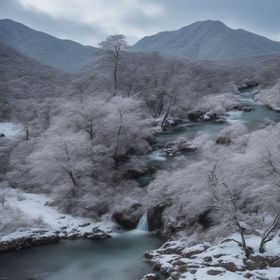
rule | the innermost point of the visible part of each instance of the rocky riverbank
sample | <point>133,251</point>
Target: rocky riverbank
<point>178,260</point>
<point>28,219</point>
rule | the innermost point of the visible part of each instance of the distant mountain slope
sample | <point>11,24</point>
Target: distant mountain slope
<point>63,54</point>
<point>22,77</point>
<point>211,40</point>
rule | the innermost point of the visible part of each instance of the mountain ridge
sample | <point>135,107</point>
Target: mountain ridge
<point>210,40</point>
<point>63,54</point>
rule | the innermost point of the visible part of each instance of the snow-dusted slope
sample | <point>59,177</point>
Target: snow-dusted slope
<point>209,39</point>
<point>62,54</point>
<point>26,215</point>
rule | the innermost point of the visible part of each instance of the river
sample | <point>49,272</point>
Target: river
<point>119,258</point>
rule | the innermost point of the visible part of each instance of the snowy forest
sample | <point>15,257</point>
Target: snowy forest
<point>184,150</point>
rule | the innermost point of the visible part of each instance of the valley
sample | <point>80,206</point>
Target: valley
<point>155,161</point>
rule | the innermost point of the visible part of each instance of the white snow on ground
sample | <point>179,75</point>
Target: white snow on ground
<point>202,259</point>
<point>34,211</point>
<point>9,129</point>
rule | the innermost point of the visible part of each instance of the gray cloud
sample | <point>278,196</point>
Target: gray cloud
<point>91,20</point>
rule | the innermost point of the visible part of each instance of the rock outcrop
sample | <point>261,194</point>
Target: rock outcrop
<point>154,216</point>
<point>129,218</point>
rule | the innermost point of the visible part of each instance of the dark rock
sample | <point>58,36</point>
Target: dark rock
<point>165,270</point>
<point>247,109</point>
<point>84,225</point>
<point>98,234</point>
<point>25,242</point>
<point>2,135</point>
<point>179,262</point>
<point>256,262</point>
<point>74,236</point>
<point>223,140</point>
<point>168,249</point>
<point>207,259</point>
<point>205,220</point>
<point>150,276</point>
<point>274,261</point>
<point>248,275</point>
<point>155,216</point>
<point>148,255</point>
<point>175,275</point>
<point>219,256</point>
<point>195,116</point>
<point>177,146</point>
<point>193,266</point>
<point>191,254</point>
<point>51,203</point>
<point>230,266</point>
<point>214,272</point>
<point>247,85</point>
<point>129,218</point>
<point>182,268</point>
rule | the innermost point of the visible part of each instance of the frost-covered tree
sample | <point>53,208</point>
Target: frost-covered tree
<point>113,45</point>
<point>227,202</point>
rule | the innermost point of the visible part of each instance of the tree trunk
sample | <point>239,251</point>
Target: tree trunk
<point>265,237</point>
<point>166,114</point>
<point>118,140</point>
<point>26,132</point>
<point>115,74</point>
<point>243,241</point>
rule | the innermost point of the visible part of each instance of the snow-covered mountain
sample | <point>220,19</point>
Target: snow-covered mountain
<point>211,40</point>
<point>63,54</point>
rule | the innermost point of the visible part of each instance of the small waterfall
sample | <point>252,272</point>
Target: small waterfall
<point>143,223</point>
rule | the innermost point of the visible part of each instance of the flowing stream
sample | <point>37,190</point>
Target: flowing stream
<point>119,258</point>
<point>258,117</point>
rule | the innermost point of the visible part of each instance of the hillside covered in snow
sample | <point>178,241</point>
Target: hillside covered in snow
<point>208,40</point>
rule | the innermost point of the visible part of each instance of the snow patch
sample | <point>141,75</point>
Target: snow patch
<point>46,219</point>
<point>9,129</point>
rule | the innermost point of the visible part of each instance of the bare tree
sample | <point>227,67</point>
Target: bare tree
<point>2,199</point>
<point>116,152</point>
<point>226,201</point>
<point>268,233</point>
<point>113,44</point>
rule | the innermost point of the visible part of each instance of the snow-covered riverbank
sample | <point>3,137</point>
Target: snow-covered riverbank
<point>28,217</point>
<point>223,260</point>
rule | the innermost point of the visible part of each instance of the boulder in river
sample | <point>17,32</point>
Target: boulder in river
<point>177,146</point>
<point>128,218</point>
<point>198,116</point>
<point>98,234</point>
<point>223,140</point>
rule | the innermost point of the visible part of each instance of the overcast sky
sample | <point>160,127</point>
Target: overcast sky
<point>90,21</point>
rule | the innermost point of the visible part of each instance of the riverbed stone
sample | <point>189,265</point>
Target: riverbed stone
<point>177,146</point>
<point>214,272</point>
<point>129,218</point>
<point>98,234</point>
<point>256,262</point>
<point>150,276</point>
<point>25,242</point>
